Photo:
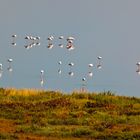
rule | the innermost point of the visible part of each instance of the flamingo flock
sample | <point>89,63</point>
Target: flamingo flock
<point>32,41</point>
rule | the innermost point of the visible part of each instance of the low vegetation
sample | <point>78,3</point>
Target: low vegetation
<point>52,115</point>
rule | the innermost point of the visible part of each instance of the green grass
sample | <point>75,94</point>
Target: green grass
<point>42,114</point>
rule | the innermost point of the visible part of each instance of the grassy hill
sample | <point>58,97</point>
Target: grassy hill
<point>51,115</point>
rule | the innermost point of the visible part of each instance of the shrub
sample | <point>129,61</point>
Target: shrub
<point>80,132</point>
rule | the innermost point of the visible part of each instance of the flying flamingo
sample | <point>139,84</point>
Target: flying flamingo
<point>99,66</point>
<point>83,84</point>
<point>42,78</point>
<point>10,60</point>
<point>71,64</point>
<point>70,45</point>
<point>138,69</point>
<point>0,67</point>
<point>71,73</point>
<point>0,70</point>
<point>13,40</point>
<point>59,70</point>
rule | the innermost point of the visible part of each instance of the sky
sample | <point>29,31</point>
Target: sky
<point>106,28</point>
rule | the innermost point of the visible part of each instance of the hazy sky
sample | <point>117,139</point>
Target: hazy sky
<point>109,28</point>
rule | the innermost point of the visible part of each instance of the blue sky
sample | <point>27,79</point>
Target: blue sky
<point>109,28</point>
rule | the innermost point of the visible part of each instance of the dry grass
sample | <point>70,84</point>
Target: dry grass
<point>51,115</point>
<point>7,126</point>
<point>22,92</point>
